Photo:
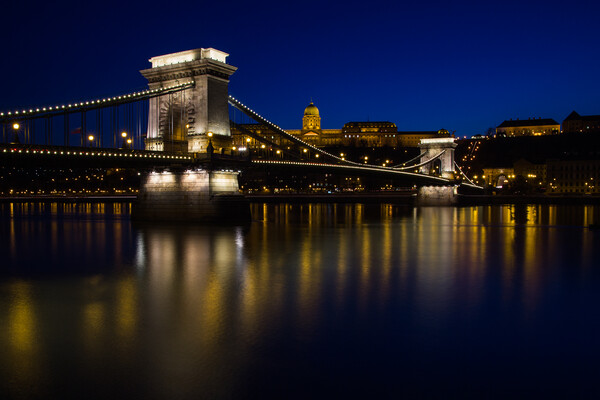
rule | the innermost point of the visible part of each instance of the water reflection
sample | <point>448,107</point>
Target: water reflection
<point>373,289</point>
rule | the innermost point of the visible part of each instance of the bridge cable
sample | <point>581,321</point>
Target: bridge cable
<point>421,164</point>
<point>409,161</point>
<point>465,176</point>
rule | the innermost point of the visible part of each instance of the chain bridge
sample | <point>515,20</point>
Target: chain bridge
<point>178,133</point>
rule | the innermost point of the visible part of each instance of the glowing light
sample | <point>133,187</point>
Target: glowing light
<point>16,126</point>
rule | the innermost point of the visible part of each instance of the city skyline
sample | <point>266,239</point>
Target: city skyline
<point>464,67</point>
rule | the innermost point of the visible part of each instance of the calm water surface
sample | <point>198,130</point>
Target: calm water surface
<point>308,301</point>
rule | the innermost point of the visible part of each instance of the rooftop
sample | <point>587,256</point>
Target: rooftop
<point>527,122</point>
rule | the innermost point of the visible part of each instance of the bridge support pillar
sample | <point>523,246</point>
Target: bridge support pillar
<point>191,196</point>
<point>185,120</point>
<point>431,148</point>
<point>437,195</point>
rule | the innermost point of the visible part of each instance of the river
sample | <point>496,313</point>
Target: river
<point>307,301</point>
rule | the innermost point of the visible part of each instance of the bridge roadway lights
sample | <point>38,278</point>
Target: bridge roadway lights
<point>197,196</point>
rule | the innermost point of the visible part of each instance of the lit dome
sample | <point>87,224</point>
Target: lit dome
<point>311,110</point>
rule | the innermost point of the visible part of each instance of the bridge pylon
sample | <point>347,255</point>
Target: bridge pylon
<point>188,120</point>
<point>431,149</point>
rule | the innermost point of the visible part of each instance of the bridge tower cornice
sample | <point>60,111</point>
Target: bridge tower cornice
<point>189,69</point>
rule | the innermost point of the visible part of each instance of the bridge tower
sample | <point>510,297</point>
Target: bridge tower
<point>431,148</point>
<point>438,195</point>
<point>187,120</point>
<point>192,120</point>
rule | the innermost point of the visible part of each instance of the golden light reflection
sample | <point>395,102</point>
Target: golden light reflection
<point>23,337</point>
<point>127,309</point>
<point>94,325</point>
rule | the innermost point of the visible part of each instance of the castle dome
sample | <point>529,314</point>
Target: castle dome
<point>311,109</point>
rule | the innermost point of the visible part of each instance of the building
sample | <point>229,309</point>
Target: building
<point>356,134</point>
<point>413,138</point>
<point>496,176</point>
<point>528,127</point>
<point>573,176</point>
<point>534,173</point>
<point>311,131</point>
<point>576,123</point>
<point>369,134</point>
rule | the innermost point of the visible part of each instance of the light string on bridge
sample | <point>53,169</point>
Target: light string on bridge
<point>253,114</point>
<point>420,164</point>
<point>407,162</point>
<point>143,154</point>
<point>465,176</point>
<point>360,167</point>
<point>32,112</point>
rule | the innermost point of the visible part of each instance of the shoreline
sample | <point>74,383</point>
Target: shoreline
<point>403,198</point>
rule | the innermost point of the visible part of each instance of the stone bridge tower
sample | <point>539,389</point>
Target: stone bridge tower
<point>185,121</point>
<point>433,147</point>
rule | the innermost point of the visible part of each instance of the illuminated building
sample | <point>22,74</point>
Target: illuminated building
<point>532,172</point>
<point>413,138</point>
<point>497,176</point>
<point>573,176</point>
<point>581,123</point>
<point>355,134</point>
<point>528,127</point>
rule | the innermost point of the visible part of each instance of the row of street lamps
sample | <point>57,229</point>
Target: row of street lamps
<point>126,141</point>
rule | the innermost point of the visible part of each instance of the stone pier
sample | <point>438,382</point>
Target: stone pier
<point>191,196</point>
<point>437,195</point>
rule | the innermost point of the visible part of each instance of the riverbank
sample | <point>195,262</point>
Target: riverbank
<point>473,200</point>
<point>68,199</point>
<point>406,198</point>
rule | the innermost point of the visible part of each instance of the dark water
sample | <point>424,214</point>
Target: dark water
<point>309,301</point>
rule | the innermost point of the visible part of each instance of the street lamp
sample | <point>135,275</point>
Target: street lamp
<point>16,127</point>
<point>125,141</point>
<point>91,139</point>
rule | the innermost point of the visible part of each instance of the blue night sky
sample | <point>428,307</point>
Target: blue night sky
<point>463,66</point>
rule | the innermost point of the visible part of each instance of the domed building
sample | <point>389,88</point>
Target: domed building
<point>311,124</point>
<point>311,119</point>
<point>357,134</point>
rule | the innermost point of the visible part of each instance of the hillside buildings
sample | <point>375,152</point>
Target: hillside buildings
<point>576,123</point>
<point>355,134</point>
<point>528,127</point>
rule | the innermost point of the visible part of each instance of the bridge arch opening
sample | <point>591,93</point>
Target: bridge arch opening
<point>436,167</point>
<point>501,181</point>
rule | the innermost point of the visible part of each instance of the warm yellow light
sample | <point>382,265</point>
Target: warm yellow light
<point>262,146</point>
<point>278,151</point>
<point>233,148</point>
<point>341,154</point>
<point>209,134</point>
<point>316,156</point>
<point>248,140</point>
<point>16,126</point>
<point>128,141</point>
<point>305,150</point>
<point>124,134</point>
<point>91,138</point>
